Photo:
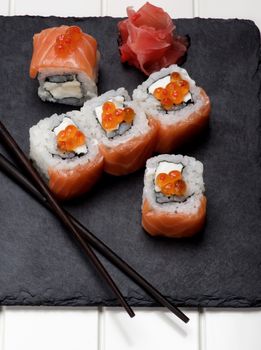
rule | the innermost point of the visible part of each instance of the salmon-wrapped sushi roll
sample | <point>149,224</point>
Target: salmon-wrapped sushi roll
<point>125,135</point>
<point>66,155</point>
<point>65,61</point>
<point>174,204</point>
<point>180,108</point>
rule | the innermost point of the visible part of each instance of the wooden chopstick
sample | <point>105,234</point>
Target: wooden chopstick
<point>14,173</point>
<point>61,214</point>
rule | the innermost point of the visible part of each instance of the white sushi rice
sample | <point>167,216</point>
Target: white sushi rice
<point>43,144</point>
<point>152,106</point>
<point>193,176</point>
<point>140,123</point>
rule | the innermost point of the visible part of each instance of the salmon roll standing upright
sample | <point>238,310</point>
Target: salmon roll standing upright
<point>180,108</point>
<point>65,61</point>
<point>174,204</point>
<point>126,137</point>
<point>66,155</point>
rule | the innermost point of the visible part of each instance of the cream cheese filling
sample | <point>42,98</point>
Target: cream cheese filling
<point>64,90</point>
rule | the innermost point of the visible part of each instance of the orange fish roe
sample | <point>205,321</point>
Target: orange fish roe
<point>109,122</point>
<point>171,184</point>
<point>108,107</point>
<point>175,175</point>
<point>70,138</point>
<point>173,93</point>
<point>168,189</point>
<point>75,33</point>
<point>167,102</point>
<point>160,93</point>
<point>128,115</point>
<point>175,76</point>
<point>184,86</point>
<point>162,179</point>
<point>180,187</point>
<point>112,116</point>
<point>119,115</point>
<point>67,43</point>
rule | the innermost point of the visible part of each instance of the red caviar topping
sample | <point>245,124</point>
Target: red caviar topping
<point>175,76</point>
<point>167,103</point>
<point>108,107</point>
<point>168,189</point>
<point>70,138</point>
<point>172,86</point>
<point>177,97</point>
<point>109,122</point>
<point>171,184</point>
<point>173,93</point>
<point>160,93</point>
<point>128,115</point>
<point>162,179</point>
<point>120,115</point>
<point>66,43</point>
<point>184,86</point>
<point>175,175</point>
<point>112,116</point>
<point>180,187</point>
<point>75,33</point>
<point>62,45</point>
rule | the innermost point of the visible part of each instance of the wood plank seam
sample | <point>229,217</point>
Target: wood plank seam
<point>101,328</point>
<point>11,8</point>
<point>196,8</point>
<point>100,325</point>
<point>104,8</point>
<point>202,328</point>
<point>2,328</point>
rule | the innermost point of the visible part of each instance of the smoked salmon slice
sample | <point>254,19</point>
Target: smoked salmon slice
<point>172,136</point>
<point>71,183</point>
<point>169,224</point>
<point>83,57</point>
<point>130,156</point>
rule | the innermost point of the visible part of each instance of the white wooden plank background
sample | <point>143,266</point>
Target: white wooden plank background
<point>177,8</point>
<point>4,7</point>
<point>152,329</point>
<point>50,328</point>
<point>250,9</point>
<point>233,329</point>
<point>110,329</point>
<point>59,7</point>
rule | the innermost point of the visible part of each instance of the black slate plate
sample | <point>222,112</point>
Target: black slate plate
<point>39,264</point>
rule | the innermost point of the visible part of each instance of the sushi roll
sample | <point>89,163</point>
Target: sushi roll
<point>65,61</point>
<point>180,108</point>
<point>66,155</point>
<point>126,137</point>
<point>174,204</point>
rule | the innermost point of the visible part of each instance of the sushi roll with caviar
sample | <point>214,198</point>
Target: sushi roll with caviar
<point>125,135</point>
<point>65,61</point>
<point>66,155</point>
<point>174,204</point>
<point>180,108</point>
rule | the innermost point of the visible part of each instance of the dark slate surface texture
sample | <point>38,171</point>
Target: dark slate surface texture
<point>40,264</point>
